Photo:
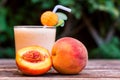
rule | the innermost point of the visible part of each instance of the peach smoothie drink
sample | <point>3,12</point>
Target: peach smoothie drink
<point>34,35</point>
<point>40,35</point>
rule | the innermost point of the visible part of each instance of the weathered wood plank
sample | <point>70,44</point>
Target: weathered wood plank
<point>95,69</point>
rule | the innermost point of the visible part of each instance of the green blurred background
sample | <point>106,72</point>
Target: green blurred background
<point>96,23</point>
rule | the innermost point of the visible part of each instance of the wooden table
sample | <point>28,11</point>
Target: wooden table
<point>95,70</point>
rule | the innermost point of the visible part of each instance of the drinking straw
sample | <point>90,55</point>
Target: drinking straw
<point>61,7</point>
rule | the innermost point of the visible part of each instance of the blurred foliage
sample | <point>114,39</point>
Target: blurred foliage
<point>92,5</point>
<point>110,50</point>
<point>27,12</point>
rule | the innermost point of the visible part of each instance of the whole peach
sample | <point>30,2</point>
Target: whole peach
<point>69,56</point>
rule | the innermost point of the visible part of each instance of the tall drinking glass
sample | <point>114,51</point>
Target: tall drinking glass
<point>34,35</point>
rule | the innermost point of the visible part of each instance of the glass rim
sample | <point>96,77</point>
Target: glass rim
<point>32,26</point>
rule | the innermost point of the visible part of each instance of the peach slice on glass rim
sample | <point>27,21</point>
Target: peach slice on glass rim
<point>33,60</point>
<point>49,18</point>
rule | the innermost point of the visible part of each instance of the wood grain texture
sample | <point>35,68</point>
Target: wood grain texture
<point>95,70</point>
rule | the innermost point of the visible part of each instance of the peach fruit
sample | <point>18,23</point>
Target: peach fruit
<point>69,56</point>
<point>33,60</point>
<point>49,19</point>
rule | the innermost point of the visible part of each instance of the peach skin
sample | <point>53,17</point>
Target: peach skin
<point>69,56</point>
